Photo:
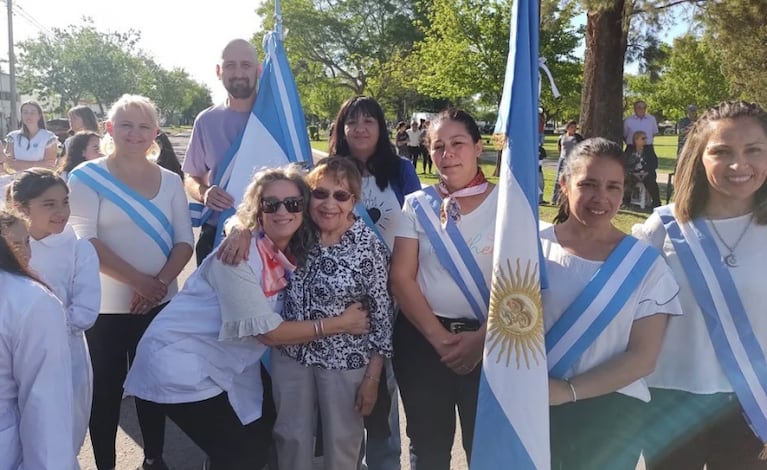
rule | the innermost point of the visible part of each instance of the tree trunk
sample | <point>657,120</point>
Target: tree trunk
<point>602,93</point>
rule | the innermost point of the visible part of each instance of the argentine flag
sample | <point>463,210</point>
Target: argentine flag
<point>512,424</point>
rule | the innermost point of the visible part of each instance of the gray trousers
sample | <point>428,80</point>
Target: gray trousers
<point>299,393</point>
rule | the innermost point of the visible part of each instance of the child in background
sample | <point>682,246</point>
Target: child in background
<point>70,267</point>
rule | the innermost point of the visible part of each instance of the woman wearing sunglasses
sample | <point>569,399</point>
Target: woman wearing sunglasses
<point>200,358</point>
<point>337,375</point>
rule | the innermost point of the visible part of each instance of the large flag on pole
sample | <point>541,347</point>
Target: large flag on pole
<point>512,425</point>
<point>275,134</point>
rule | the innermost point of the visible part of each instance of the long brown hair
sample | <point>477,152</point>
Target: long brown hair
<point>691,184</point>
<point>10,261</point>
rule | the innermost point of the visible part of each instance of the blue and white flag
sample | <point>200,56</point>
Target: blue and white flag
<point>275,134</point>
<point>512,425</point>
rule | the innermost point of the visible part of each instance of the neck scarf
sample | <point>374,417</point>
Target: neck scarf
<point>277,267</point>
<point>451,208</point>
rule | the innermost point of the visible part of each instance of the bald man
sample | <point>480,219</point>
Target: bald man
<point>214,131</point>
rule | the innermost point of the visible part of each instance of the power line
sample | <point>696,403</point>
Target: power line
<point>21,12</point>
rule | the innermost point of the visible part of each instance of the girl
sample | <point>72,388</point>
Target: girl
<point>32,145</point>
<point>35,371</point>
<point>83,146</point>
<point>605,318</point>
<point>68,266</point>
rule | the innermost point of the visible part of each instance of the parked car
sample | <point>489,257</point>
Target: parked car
<point>60,127</point>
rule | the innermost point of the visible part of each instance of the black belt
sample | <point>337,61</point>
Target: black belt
<point>454,325</point>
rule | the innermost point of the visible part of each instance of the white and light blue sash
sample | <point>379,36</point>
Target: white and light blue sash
<point>452,251</point>
<point>199,212</point>
<point>141,211</point>
<point>736,346</point>
<point>598,304</point>
<point>362,212</point>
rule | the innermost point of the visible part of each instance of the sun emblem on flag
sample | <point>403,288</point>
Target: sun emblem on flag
<point>515,321</point>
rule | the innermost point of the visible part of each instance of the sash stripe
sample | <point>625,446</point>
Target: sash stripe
<point>130,204</point>
<point>598,304</point>
<point>729,328</point>
<point>453,257</point>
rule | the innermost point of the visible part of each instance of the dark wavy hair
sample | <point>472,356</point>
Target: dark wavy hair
<point>32,183</point>
<point>76,150</point>
<point>250,214</point>
<point>10,261</point>
<point>595,147</point>
<point>167,158</point>
<point>384,164</point>
<point>691,187</point>
<point>86,114</point>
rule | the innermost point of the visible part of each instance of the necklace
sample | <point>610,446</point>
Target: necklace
<point>731,260</point>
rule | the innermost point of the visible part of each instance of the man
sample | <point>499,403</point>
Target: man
<point>685,125</point>
<point>215,129</point>
<point>642,121</point>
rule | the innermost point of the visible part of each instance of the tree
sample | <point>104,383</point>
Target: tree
<point>80,61</point>
<point>738,31</point>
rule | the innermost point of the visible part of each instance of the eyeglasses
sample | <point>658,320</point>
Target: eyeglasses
<point>340,195</point>
<point>292,205</point>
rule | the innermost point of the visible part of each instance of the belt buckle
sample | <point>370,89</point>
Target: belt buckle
<point>457,327</point>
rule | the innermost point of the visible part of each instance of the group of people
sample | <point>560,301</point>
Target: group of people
<point>411,142</point>
<point>358,280</point>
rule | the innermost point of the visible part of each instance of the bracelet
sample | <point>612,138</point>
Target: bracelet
<point>368,376</point>
<point>161,281</point>
<point>572,390</point>
<point>316,324</point>
<point>322,328</point>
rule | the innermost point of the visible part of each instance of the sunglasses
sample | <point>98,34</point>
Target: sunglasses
<point>292,204</point>
<point>340,195</point>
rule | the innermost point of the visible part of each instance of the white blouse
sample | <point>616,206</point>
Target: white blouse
<point>688,361</point>
<point>31,150</point>
<point>35,379</point>
<point>569,274</point>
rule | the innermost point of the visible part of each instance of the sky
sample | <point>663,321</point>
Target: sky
<point>177,33</point>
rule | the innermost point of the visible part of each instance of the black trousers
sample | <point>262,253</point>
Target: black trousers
<point>205,243</point>
<point>112,343</point>
<point>213,425</point>
<point>430,393</point>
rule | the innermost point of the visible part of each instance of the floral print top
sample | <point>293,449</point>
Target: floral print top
<point>354,270</point>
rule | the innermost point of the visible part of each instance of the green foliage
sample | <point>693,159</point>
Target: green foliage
<point>692,73</point>
<point>81,62</point>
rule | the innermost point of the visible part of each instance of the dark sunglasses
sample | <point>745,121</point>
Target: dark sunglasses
<point>292,204</point>
<point>340,195</point>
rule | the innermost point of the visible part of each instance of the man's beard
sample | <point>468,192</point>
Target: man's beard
<point>240,88</point>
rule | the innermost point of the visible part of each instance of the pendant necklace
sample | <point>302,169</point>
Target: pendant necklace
<point>731,260</point>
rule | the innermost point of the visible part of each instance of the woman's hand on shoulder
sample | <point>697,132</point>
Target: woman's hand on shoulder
<point>235,248</point>
<point>356,319</point>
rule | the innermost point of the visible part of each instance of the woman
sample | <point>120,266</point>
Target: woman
<point>604,318</point>
<point>201,356</point>
<point>84,146</point>
<point>34,407</point>
<point>703,410</point>
<point>70,267</point>
<point>32,145</point>
<point>565,145</point>
<point>400,139</point>
<point>337,375</point>
<point>136,216</point>
<point>81,118</point>
<point>440,337</point>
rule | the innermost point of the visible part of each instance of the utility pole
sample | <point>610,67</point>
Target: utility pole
<point>12,67</point>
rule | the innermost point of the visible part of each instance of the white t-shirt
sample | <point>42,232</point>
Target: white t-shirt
<point>413,137</point>
<point>94,216</point>
<point>35,378</point>
<point>569,274</point>
<point>383,208</point>
<point>180,358</point>
<point>436,284</point>
<point>31,150</point>
<point>688,361</point>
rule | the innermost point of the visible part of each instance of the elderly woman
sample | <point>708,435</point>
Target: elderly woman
<point>136,216</point>
<point>32,145</point>
<point>335,375</point>
<point>440,335</point>
<point>709,396</point>
<point>201,356</point>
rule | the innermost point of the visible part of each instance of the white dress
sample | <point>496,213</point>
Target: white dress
<point>569,274</point>
<point>35,379</point>
<point>70,267</point>
<point>180,358</point>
